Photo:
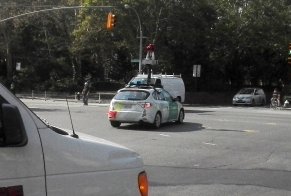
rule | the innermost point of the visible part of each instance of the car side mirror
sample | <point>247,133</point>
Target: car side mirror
<point>177,99</point>
<point>13,132</point>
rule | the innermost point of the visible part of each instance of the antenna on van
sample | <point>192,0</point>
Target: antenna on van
<point>74,134</point>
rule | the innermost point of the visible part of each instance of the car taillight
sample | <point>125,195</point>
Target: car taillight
<point>112,114</point>
<point>147,105</point>
<point>143,184</point>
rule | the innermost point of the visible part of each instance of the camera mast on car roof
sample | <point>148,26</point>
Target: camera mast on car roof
<point>149,61</point>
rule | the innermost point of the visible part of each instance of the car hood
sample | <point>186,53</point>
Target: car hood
<point>85,154</point>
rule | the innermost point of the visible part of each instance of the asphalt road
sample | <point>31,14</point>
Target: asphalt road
<point>216,151</point>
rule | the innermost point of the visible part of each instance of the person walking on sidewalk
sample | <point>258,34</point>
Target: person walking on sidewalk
<point>86,90</point>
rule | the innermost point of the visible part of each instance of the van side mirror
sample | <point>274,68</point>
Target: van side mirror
<point>13,131</point>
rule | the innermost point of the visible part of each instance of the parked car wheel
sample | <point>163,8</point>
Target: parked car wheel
<point>115,123</point>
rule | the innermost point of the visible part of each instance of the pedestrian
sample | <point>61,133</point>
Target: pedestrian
<point>86,90</point>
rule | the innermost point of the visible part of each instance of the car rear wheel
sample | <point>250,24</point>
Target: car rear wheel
<point>157,121</point>
<point>181,117</point>
<point>115,123</point>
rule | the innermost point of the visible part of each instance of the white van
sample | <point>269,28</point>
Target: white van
<point>41,160</point>
<point>174,84</point>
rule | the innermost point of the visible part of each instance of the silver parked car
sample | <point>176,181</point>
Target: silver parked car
<point>250,96</point>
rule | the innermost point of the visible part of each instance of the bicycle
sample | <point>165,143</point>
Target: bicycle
<point>275,103</point>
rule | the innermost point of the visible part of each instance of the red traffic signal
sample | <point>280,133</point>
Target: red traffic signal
<point>111,21</point>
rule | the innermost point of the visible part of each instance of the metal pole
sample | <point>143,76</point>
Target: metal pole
<point>140,37</point>
<point>140,51</point>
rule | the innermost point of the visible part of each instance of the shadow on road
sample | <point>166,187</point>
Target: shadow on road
<point>190,111</point>
<point>44,110</point>
<point>167,127</point>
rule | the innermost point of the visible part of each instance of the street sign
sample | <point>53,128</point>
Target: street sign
<point>149,62</point>
<point>134,60</point>
<point>18,66</point>
<point>196,71</point>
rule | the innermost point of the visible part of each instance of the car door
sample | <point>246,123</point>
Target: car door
<point>162,105</point>
<point>173,106</point>
<point>259,97</point>
<point>21,167</point>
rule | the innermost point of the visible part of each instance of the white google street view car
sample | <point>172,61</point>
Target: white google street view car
<point>144,104</point>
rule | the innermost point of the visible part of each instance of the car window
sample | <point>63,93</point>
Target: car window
<point>167,96</point>
<point>155,95</point>
<point>160,96</point>
<point>246,91</point>
<point>131,95</point>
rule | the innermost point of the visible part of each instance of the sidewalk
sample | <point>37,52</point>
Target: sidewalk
<point>42,100</point>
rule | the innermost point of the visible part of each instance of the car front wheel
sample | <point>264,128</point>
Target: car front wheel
<point>181,116</point>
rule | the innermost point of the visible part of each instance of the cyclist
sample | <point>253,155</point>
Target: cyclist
<point>275,100</point>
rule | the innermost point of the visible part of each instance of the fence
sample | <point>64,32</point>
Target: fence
<point>207,98</point>
<point>98,97</point>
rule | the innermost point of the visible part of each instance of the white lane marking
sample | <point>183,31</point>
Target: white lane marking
<point>223,120</point>
<point>271,123</point>
<point>250,131</point>
<point>164,135</point>
<point>208,143</point>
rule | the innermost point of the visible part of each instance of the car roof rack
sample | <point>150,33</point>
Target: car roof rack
<point>161,75</point>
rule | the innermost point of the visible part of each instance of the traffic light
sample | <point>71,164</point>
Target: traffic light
<point>289,53</point>
<point>111,21</point>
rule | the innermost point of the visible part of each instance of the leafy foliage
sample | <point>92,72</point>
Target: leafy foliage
<point>237,42</point>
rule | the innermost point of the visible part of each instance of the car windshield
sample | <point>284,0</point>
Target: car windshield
<point>132,95</point>
<point>246,91</point>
